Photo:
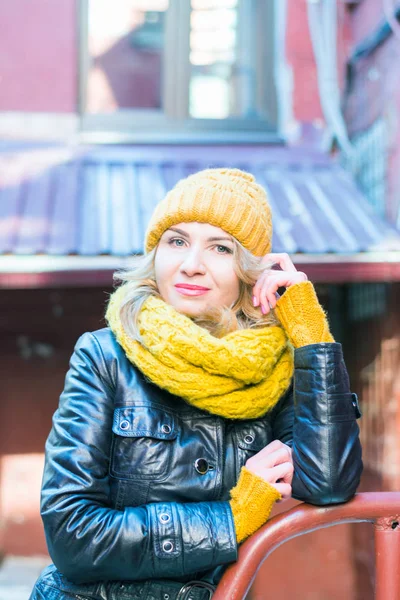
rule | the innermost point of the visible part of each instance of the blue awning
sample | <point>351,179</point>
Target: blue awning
<point>92,201</point>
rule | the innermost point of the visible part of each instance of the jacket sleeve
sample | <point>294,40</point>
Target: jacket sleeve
<point>87,539</point>
<point>317,418</point>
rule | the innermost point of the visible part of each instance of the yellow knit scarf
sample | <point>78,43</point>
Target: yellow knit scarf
<point>240,376</point>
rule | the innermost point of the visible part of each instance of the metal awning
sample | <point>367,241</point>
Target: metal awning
<point>70,215</point>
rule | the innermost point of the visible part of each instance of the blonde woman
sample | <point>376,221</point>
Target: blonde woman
<point>208,398</point>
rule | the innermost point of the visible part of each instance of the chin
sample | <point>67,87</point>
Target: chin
<point>189,307</point>
<point>191,311</point>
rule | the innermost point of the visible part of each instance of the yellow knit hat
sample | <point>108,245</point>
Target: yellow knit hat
<point>226,198</point>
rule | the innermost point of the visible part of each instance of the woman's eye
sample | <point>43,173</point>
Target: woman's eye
<point>224,250</point>
<point>179,242</point>
<point>173,240</point>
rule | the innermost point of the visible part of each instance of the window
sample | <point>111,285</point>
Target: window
<point>175,69</point>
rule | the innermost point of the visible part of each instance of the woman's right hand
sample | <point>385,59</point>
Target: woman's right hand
<point>274,464</point>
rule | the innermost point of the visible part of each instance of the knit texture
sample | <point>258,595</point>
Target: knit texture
<point>226,198</point>
<point>302,316</point>
<point>305,321</point>
<point>251,502</point>
<point>240,376</point>
<point>183,356</point>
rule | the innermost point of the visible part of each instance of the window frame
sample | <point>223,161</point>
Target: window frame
<point>171,124</point>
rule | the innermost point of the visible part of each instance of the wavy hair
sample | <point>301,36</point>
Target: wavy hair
<point>140,283</point>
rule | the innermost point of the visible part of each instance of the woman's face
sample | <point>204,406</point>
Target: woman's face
<point>194,268</point>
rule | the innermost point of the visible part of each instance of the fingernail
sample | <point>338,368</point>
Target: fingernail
<point>263,310</point>
<point>254,301</point>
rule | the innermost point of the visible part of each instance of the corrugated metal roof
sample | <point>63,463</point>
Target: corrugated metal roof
<point>97,200</point>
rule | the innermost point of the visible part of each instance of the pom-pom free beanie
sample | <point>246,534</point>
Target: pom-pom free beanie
<point>226,198</point>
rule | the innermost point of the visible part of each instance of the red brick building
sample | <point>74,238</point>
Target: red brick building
<point>101,112</point>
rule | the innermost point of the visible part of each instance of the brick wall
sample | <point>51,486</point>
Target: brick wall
<point>38,56</point>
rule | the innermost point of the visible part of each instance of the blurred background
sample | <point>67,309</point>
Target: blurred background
<point>103,107</point>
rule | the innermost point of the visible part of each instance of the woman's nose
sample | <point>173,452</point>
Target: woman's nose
<point>193,263</point>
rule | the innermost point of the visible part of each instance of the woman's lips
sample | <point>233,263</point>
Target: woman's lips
<point>191,290</point>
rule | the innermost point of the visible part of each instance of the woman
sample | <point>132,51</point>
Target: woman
<point>207,399</point>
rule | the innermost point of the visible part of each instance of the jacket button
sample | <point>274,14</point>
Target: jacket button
<point>201,465</point>
<point>249,439</point>
<point>124,424</point>
<point>168,546</point>
<point>166,429</point>
<point>164,518</point>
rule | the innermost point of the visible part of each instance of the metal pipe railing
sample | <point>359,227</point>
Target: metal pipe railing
<point>382,509</point>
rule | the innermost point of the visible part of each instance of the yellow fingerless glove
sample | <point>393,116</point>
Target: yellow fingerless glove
<point>251,502</point>
<point>302,316</point>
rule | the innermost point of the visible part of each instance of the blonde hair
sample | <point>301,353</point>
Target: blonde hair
<point>140,283</point>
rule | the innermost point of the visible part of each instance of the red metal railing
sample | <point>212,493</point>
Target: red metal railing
<point>382,509</point>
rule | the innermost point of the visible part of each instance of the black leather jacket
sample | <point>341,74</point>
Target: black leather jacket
<point>124,496</point>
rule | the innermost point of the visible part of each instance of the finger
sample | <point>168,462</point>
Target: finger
<point>276,458</point>
<point>285,490</point>
<point>264,303</point>
<point>267,294</point>
<point>289,451</point>
<point>271,447</point>
<point>283,471</point>
<point>271,297</point>
<point>270,285</point>
<point>271,259</point>
<point>283,259</point>
<point>268,260</point>
<point>257,288</point>
<point>268,461</point>
<point>274,445</point>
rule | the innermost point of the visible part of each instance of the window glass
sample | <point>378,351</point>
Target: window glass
<point>185,66</point>
<point>223,59</point>
<point>126,41</point>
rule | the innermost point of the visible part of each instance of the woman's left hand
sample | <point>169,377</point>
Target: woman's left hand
<point>264,291</point>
